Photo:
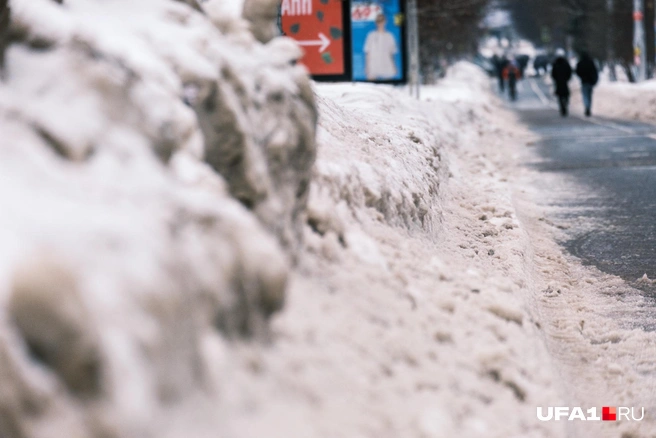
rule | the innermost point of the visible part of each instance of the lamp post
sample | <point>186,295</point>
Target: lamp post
<point>413,47</point>
<point>639,53</point>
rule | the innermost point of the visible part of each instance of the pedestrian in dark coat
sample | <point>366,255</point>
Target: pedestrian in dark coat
<point>512,74</point>
<point>561,73</point>
<point>500,64</point>
<point>587,71</point>
<point>540,64</point>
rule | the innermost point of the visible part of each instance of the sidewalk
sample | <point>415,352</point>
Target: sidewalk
<point>586,183</point>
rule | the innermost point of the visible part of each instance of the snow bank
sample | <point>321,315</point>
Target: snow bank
<point>154,169</point>
<point>407,316</point>
<point>622,100</point>
<point>384,151</point>
<point>379,153</point>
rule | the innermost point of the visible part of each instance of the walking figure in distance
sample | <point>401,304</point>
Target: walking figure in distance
<point>587,72</point>
<point>500,64</point>
<point>512,74</point>
<point>561,73</point>
<point>540,64</point>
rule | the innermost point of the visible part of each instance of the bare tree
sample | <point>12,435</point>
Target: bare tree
<point>601,27</point>
<point>449,29</point>
<point>544,22</point>
<point>4,30</point>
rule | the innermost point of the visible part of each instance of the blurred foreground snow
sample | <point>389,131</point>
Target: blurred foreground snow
<point>154,169</point>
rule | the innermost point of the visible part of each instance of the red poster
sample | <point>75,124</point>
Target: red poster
<point>318,26</point>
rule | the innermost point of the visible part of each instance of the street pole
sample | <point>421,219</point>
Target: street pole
<point>413,47</point>
<point>650,48</point>
<point>639,53</point>
<point>610,41</point>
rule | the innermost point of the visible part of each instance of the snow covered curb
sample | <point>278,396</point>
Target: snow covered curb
<point>597,326</point>
<point>621,100</point>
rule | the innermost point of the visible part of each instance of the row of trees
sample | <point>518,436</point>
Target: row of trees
<point>604,28</point>
<point>448,29</point>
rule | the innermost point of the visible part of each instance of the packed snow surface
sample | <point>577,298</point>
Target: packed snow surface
<point>621,99</point>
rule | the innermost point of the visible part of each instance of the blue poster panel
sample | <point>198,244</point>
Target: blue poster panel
<point>378,42</point>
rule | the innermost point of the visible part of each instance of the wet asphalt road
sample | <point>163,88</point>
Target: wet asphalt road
<point>612,223</point>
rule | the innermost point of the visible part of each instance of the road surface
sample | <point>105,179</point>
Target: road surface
<point>611,224</point>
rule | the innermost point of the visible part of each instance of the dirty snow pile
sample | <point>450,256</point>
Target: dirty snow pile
<point>154,168</point>
<point>407,315</point>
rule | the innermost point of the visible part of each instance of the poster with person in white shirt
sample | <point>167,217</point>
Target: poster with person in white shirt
<point>379,50</point>
<point>377,29</point>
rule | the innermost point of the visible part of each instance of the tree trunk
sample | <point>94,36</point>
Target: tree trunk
<point>611,71</point>
<point>628,69</point>
<point>649,37</point>
<point>4,31</point>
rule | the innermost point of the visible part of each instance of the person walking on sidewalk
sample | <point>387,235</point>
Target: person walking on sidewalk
<point>500,64</point>
<point>561,73</point>
<point>512,74</point>
<point>586,70</point>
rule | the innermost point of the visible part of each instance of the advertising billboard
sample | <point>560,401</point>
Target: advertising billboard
<point>378,41</point>
<point>321,27</point>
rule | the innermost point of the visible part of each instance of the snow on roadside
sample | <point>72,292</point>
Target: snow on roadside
<point>623,100</point>
<point>596,326</point>
<point>590,320</point>
<point>409,314</point>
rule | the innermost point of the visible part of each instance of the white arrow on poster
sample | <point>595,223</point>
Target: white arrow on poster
<point>323,42</point>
